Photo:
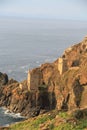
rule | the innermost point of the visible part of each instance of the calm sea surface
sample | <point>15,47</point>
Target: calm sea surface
<point>26,43</point>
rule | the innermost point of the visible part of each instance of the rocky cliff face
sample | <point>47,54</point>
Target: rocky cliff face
<point>58,85</point>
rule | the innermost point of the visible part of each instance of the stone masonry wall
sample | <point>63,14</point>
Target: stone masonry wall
<point>34,79</point>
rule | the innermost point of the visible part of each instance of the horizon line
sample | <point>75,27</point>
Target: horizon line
<point>41,18</point>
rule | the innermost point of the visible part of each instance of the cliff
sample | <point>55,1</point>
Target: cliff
<point>60,85</point>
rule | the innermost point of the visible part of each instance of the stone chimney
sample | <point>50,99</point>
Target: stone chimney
<point>28,80</point>
<point>62,65</point>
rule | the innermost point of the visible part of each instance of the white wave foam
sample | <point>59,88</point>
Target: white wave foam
<point>11,114</point>
<point>37,62</point>
<point>6,125</point>
<point>24,66</point>
<point>7,111</point>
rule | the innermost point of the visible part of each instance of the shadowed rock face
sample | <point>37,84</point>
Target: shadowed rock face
<point>46,89</point>
<point>3,79</point>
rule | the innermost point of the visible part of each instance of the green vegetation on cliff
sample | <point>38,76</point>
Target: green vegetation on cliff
<point>53,120</point>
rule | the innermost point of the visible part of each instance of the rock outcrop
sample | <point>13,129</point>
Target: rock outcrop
<point>3,79</point>
<point>59,85</point>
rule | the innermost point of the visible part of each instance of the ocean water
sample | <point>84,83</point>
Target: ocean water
<point>7,118</point>
<point>27,43</point>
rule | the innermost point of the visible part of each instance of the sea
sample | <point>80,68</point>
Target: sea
<point>28,43</point>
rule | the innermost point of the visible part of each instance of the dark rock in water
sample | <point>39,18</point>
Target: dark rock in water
<point>34,112</point>
<point>3,79</point>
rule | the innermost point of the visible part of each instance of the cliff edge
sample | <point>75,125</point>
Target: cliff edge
<point>60,85</point>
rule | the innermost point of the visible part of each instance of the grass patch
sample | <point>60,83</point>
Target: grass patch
<point>49,119</point>
<point>33,123</point>
<point>82,124</point>
<point>66,126</point>
<point>63,114</point>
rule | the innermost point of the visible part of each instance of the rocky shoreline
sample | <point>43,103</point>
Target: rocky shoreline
<point>60,85</point>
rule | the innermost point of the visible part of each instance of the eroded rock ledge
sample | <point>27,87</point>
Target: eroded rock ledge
<point>59,85</point>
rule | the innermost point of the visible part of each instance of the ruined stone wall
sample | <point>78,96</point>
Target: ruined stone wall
<point>34,79</point>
